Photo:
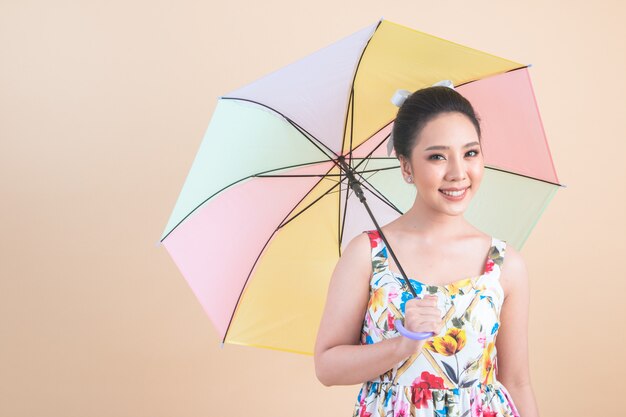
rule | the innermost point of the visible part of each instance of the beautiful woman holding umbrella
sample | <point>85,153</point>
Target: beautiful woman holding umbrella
<point>470,287</point>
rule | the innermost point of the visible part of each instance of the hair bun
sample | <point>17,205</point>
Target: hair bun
<point>400,97</point>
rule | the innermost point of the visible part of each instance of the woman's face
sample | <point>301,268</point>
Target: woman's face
<point>446,154</point>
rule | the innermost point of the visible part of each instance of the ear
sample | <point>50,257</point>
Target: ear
<point>405,166</point>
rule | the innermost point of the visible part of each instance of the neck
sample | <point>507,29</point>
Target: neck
<point>433,224</point>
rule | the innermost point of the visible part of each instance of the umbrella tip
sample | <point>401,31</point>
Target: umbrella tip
<point>221,345</point>
<point>530,65</point>
<point>157,244</point>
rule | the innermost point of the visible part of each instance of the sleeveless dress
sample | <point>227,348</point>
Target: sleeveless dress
<point>454,375</point>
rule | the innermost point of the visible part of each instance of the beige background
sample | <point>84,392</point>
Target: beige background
<point>102,108</point>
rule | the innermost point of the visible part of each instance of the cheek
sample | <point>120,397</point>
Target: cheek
<point>428,177</point>
<point>477,172</point>
<point>476,177</point>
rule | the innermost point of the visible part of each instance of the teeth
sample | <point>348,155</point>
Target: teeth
<point>453,193</point>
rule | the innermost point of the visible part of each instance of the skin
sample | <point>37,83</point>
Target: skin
<point>434,228</point>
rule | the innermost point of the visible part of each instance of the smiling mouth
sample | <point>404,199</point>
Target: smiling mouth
<point>460,193</point>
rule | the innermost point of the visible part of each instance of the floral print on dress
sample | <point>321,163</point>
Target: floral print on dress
<point>454,375</point>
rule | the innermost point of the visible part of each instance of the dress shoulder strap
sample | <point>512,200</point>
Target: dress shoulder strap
<point>378,251</point>
<point>374,237</point>
<point>496,256</point>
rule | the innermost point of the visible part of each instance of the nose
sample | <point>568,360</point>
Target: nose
<point>456,169</point>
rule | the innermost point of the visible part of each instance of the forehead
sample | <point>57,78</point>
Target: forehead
<point>447,129</point>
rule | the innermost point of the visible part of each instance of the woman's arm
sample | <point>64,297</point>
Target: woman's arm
<point>339,357</point>
<point>512,338</point>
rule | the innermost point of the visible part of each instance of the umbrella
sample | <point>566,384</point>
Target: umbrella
<point>294,165</point>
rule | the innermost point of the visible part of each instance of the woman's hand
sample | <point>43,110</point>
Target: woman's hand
<point>420,315</point>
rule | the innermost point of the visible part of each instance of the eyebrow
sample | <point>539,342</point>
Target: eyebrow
<point>447,147</point>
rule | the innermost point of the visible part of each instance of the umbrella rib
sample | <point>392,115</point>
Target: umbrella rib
<point>342,222</point>
<point>364,167</point>
<point>298,175</point>
<point>302,130</point>
<point>262,173</point>
<point>377,146</point>
<point>351,101</point>
<point>329,191</point>
<point>349,191</point>
<point>309,205</point>
<point>350,110</point>
<point>522,175</point>
<point>385,138</point>
<point>369,155</point>
<point>258,175</point>
<point>280,225</point>
<point>490,167</point>
<point>378,194</point>
<point>375,170</point>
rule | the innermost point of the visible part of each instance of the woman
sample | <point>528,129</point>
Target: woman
<point>436,137</point>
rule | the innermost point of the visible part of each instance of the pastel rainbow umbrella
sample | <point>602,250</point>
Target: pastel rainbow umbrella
<point>272,196</point>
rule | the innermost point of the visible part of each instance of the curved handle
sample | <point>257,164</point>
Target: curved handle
<point>411,335</point>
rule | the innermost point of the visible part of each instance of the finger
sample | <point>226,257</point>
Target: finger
<point>423,318</point>
<point>440,327</point>
<point>425,309</point>
<point>430,300</point>
<point>434,326</point>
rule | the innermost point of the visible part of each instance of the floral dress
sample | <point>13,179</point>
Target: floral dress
<point>454,374</point>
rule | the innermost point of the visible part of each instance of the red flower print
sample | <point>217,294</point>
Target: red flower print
<point>375,237</point>
<point>401,408</point>
<point>489,265</point>
<point>476,403</point>
<point>489,413</point>
<point>420,389</point>
<point>390,321</point>
<point>363,412</point>
<point>434,380</point>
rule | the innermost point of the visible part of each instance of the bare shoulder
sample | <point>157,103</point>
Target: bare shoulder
<point>360,241</point>
<point>347,297</point>
<point>356,256</point>
<point>514,275</point>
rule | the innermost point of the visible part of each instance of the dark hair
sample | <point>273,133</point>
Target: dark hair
<point>421,107</point>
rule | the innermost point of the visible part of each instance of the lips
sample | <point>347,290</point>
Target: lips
<point>453,189</point>
<point>461,194</point>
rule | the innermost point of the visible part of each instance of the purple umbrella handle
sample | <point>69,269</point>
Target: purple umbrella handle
<point>411,335</point>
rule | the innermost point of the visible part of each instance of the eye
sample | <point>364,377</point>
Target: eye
<point>432,157</point>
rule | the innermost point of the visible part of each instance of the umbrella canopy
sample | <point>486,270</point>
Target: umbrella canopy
<point>266,208</point>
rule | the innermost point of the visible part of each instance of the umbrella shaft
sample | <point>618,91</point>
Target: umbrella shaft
<point>356,186</point>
